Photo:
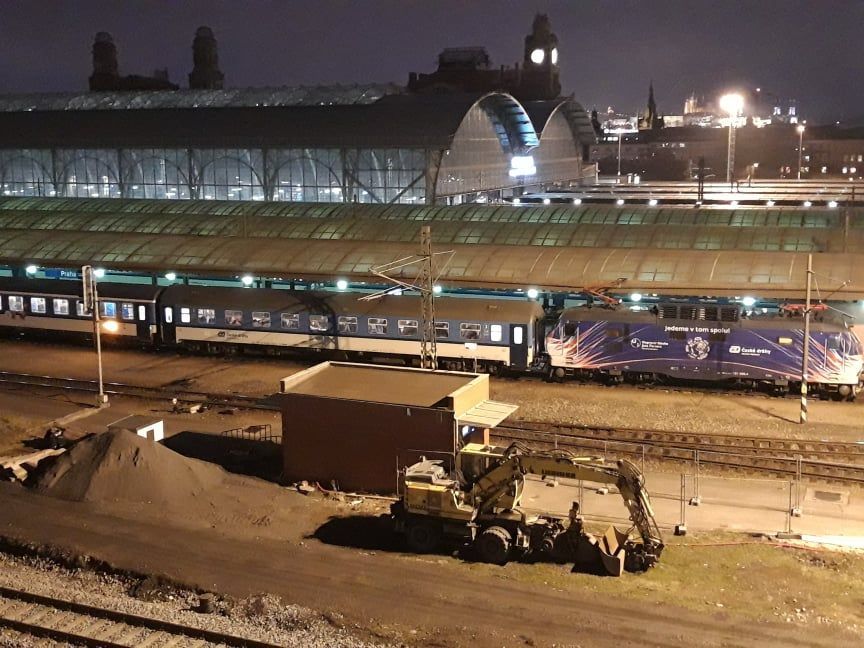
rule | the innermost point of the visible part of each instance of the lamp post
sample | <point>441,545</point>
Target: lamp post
<point>91,307</point>
<point>801,128</point>
<point>732,104</point>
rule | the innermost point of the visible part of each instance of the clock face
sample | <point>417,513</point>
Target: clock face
<point>554,56</point>
<point>537,56</point>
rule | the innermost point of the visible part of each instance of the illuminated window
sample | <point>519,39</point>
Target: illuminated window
<point>347,324</point>
<point>128,311</point>
<point>442,330</point>
<point>37,304</point>
<point>377,326</point>
<point>469,331</point>
<point>142,313</point>
<point>784,340</point>
<point>185,315</point>
<point>407,327</point>
<point>61,306</point>
<point>206,315</point>
<point>319,323</point>
<point>109,309</point>
<point>234,318</point>
<point>169,313</point>
<point>291,321</point>
<point>517,335</point>
<point>496,333</point>
<point>261,319</point>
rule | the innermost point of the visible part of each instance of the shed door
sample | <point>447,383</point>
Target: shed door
<point>518,345</point>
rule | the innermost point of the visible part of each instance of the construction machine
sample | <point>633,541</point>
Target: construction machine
<point>479,502</point>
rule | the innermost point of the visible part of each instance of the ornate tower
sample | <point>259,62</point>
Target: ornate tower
<point>106,74</point>
<point>651,120</point>
<point>205,73</point>
<point>541,72</point>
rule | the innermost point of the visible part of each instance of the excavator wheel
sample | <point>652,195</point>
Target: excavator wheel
<point>493,545</point>
<point>423,536</point>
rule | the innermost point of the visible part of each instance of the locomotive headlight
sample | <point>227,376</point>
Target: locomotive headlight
<point>247,280</point>
<point>636,297</point>
<point>436,289</point>
<point>749,302</point>
<point>110,326</point>
<point>533,293</point>
<point>341,285</point>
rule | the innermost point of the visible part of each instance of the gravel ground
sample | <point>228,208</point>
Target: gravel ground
<point>261,617</point>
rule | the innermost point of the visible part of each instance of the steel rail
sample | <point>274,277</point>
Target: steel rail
<point>723,458</point>
<point>136,391</point>
<point>89,625</point>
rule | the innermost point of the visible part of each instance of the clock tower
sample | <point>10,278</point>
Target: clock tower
<point>540,65</point>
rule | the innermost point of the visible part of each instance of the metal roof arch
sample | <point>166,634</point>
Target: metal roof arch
<point>511,121</point>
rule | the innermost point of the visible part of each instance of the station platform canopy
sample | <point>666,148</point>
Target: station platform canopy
<point>700,252</point>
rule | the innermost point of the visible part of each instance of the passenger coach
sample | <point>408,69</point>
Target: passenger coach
<point>494,334</point>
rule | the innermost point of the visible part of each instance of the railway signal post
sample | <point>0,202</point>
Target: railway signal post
<point>91,306</point>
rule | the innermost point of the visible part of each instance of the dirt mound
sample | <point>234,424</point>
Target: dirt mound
<point>119,466</point>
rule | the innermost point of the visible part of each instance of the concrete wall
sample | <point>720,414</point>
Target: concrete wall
<point>358,444</point>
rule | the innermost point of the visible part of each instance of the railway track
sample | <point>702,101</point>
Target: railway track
<point>784,457</point>
<point>136,391</point>
<point>85,625</point>
<point>817,459</point>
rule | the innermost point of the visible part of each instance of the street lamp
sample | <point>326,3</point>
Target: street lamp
<point>801,128</point>
<point>732,104</point>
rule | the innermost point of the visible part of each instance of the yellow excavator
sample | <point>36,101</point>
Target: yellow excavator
<point>479,502</point>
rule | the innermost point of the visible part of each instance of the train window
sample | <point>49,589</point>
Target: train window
<point>37,304</point>
<point>291,321</point>
<point>833,342</point>
<point>261,319</point>
<point>408,327</point>
<point>79,308</point>
<point>206,315</point>
<point>347,324</point>
<point>109,309</point>
<point>16,304</point>
<point>442,330</point>
<point>496,332</point>
<point>234,318</point>
<point>517,335</point>
<point>319,323</point>
<point>377,326</point>
<point>1,303</point>
<point>142,313</point>
<point>185,315</point>
<point>61,306</point>
<point>127,311</point>
<point>613,333</point>
<point>169,314</point>
<point>569,329</point>
<point>786,341</point>
<point>469,331</point>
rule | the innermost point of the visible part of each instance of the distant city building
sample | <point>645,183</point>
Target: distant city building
<point>106,72</point>
<point>206,74</point>
<point>650,119</point>
<point>469,69</point>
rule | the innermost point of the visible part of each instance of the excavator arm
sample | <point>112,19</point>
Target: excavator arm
<point>496,477</point>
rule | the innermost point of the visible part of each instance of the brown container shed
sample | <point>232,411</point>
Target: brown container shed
<point>357,424</point>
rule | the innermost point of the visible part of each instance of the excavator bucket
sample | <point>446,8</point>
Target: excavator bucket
<point>601,555</point>
<point>611,551</point>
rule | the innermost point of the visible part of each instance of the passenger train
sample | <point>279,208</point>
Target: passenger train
<point>700,342</point>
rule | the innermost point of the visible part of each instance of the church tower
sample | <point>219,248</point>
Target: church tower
<point>650,120</point>
<point>205,74</point>
<point>540,65</point>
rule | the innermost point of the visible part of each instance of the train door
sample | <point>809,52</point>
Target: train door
<point>518,345</point>
<point>142,321</point>
<point>169,328</point>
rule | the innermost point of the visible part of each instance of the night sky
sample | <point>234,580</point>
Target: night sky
<point>610,49</point>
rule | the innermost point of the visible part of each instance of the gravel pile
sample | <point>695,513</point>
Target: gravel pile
<point>261,617</point>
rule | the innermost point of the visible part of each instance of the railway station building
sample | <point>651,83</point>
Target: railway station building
<point>360,144</point>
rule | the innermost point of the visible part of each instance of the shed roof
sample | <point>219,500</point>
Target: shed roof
<point>378,384</point>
